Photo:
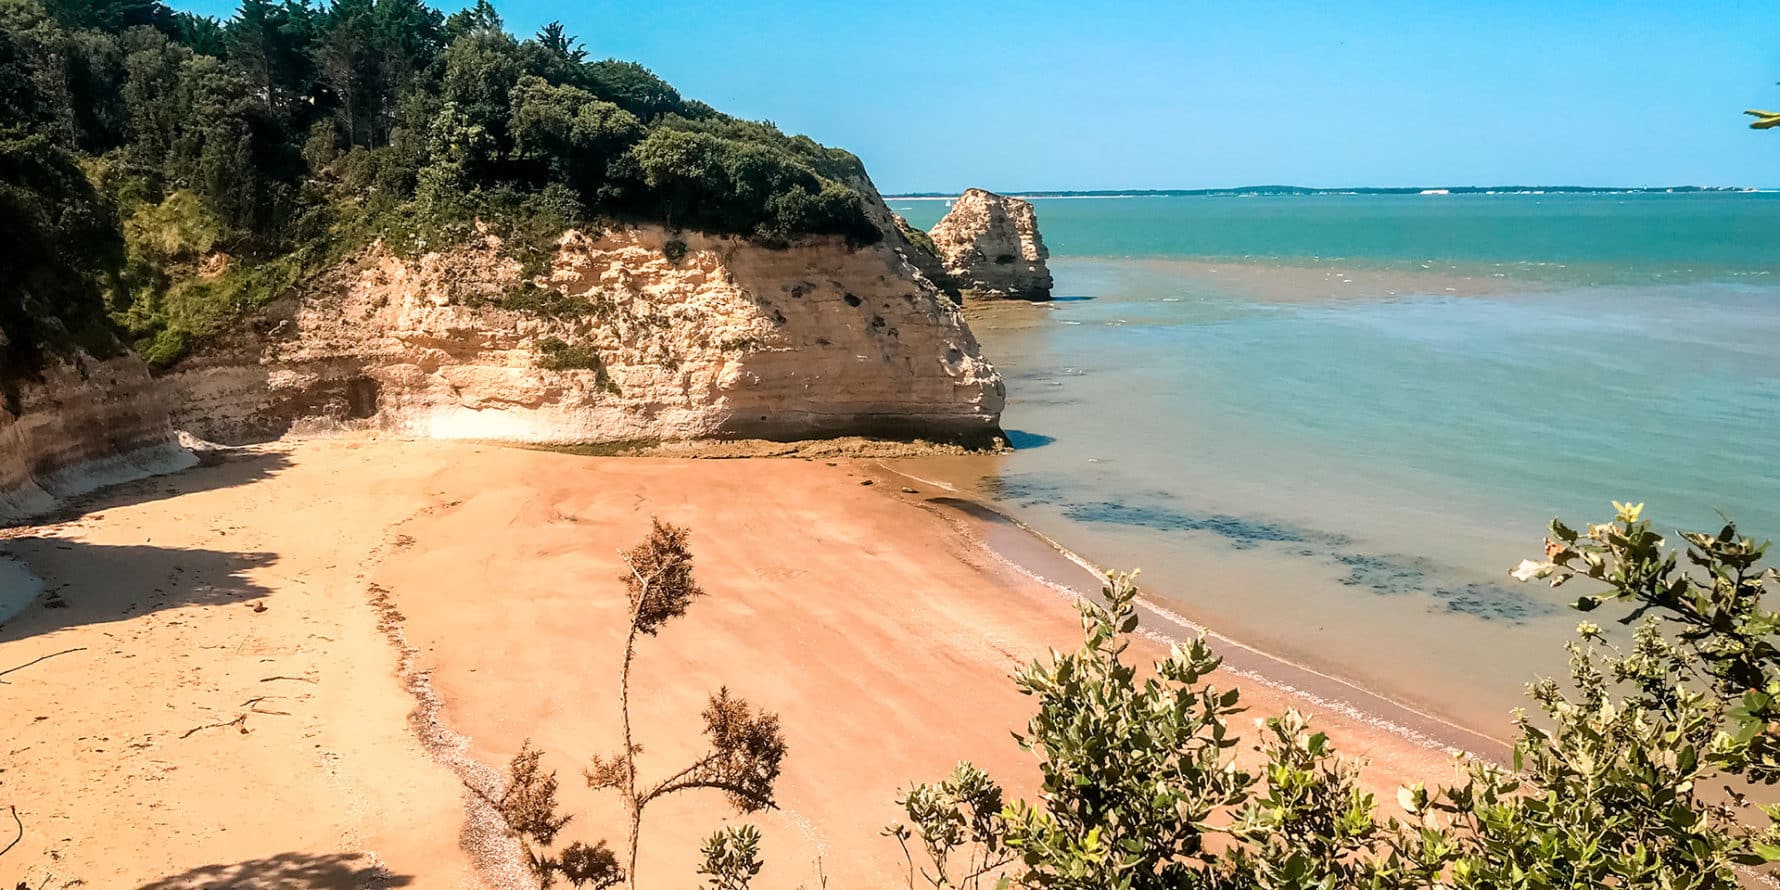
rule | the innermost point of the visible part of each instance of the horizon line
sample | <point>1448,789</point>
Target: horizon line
<point>1368,189</point>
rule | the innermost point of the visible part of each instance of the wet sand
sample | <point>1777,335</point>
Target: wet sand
<point>235,709</point>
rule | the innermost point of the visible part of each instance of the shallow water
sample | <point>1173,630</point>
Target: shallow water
<point>1340,458</point>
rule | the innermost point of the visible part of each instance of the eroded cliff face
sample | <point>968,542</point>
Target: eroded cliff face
<point>635,334</point>
<point>84,425</point>
<point>991,247</point>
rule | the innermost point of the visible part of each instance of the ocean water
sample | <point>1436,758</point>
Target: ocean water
<point>1329,425</point>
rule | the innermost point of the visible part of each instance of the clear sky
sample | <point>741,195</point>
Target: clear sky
<point>939,96</point>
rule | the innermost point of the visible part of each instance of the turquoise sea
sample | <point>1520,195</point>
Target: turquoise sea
<point>1329,425</point>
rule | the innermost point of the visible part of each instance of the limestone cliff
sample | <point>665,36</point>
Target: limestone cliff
<point>82,425</point>
<point>634,334</point>
<point>991,247</point>
<point>913,244</point>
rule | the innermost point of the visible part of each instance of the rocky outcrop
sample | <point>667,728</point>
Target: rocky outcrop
<point>991,247</point>
<point>918,248</point>
<point>635,334</point>
<point>83,424</point>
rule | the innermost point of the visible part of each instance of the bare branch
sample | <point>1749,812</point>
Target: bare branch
<point>13,810</point>
<point>36,660</point>
<point>253,707</point>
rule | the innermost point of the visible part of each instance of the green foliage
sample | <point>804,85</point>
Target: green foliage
<point>166,325</point>
<point>1132,770</point>
<point>547,302</point>
<point>312,129</point>
<point>556,354</point>
<point>731,858</point>
<point>674,250</point>
<point>1713,606</point>
<point>64,255</point>
<point>921,240</point>
<point>1616,784</point>
<point>959,818</point>
<point>570,136</point>
<point>632,87</point>
<point>717,184</point>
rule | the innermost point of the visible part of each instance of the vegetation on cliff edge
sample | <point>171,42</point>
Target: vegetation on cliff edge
<point>162,173</point>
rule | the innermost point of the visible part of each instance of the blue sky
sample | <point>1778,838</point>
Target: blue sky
<point>938,96</point>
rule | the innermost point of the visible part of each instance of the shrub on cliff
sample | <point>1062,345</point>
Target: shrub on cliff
<point>1616,785</point>
<point>306,131</point>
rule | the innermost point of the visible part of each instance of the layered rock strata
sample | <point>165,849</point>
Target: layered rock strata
<point>635,334</point>
<point>81,425</point>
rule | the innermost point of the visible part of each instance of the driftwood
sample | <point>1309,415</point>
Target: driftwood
<point>36,660</point>
<point>253,707</point>
<point>13,811</point>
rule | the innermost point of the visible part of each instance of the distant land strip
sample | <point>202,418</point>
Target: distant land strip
<point>1306,190</point>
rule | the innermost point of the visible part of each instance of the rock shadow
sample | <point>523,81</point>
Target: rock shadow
<point>1021,439</point>
<point>89,583</point>
<point>288,871</point>
<point>215,470</point>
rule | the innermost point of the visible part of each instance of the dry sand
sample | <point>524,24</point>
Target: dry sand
<point>875,621</point>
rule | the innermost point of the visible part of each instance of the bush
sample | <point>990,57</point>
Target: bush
<point>546,302</point>
<point>556,354</point>
<point>711,183</point>
<point>1614,787</point>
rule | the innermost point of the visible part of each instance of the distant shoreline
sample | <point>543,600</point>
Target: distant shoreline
<point>1295,190</point>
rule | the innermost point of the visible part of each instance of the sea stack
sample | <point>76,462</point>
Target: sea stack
<point>992,249</point>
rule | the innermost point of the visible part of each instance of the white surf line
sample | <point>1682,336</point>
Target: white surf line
<point>1344,707</point>
<point>907,475</point>
<point>494,853</point>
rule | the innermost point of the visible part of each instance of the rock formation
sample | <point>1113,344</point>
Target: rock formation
<point>82,425</point>
<point>991,247</point>
<point>635,334</point>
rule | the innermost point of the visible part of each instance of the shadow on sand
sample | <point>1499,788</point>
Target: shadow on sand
<point>99,583</point>
<point>288,871</point>
<point>217,469</point>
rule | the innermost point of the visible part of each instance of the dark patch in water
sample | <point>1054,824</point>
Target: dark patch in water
<point>1023,490</point>
<point>1382,574</point>
<point>1020,439</point>
<point>1071,299</point>
<point>1389,575</point>
<point>1240,532</point>
<point>1492,602</point>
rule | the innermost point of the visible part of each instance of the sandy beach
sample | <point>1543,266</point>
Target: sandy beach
<point>278,670</point>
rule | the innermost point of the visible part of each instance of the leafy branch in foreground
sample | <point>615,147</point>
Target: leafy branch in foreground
<point>743,761</point>
<point>1616,784</point>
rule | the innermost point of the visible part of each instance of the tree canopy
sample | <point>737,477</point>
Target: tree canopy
<point>137,140</point>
